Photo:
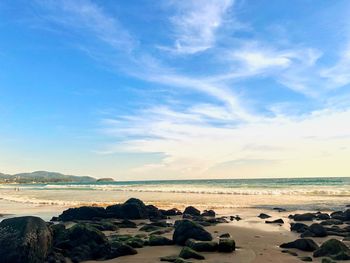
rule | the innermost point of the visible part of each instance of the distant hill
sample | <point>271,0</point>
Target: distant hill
<point>43,177</point>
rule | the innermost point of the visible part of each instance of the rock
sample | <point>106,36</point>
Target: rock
<point>334,249</point>
<point>154,213</point>
<point>171,212</point>
<point>202,246</point>
<point>338,215</point>
<point>85,242</point>
<point>318,230</point>
<point>226,245</point>
<point>331,222</point>
<point>131,209</point>
<point>120,249</point>
<point>169,258</point>
<point>187,253</point>
<point>190,210</point>
<point>135,242</point>
<point>225,235</point>
<point>264,216</point>
<point>304,217</point>
<point>181,260</point>
<point>24,239</point>
<point>186,229</point>
<point>209,213</point>
<point>279,209</point>
<point>82,213</point>
<point>303,244</point>
<point>277,221</point>
<point>298,227</point>
<point>162,231</point>
<point>306,259</point>
<point>327,260</point>
<point>160,241</point>
<point>104,226</point>
<point>322,216</point>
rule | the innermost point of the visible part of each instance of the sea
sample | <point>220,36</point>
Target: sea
<point>293,193</point>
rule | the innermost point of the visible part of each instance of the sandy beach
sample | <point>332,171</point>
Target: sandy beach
<point>256,241</point>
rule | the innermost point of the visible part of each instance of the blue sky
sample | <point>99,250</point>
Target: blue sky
<point>175,89</point>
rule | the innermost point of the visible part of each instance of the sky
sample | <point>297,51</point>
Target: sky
<point>142,89</point>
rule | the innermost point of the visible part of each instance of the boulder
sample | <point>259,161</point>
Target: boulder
<point>120,249</point>
<point>126,224</point>
<point>190,210</point>
<point>202,246</point>
<point>225,235</point>
<point>304,217</point>
<point>306,259</point>
<point>298,227</point>
<point>135,242</point>
<point>187,253</point>
<point>160,241</point>
<point>209,213</point>
<point>332,221</point>
<point>277,221</point>
<point>226,245</point>
<point>24,239</point>
<point>171,212</point>
<point>303,244</point>
<point>186,229</point>
<point>322,216</point>
<point>83,242</point>
<point>338,215</point>
<point>318,230</point>
<point>133,209</point>
<point>334,249</point>
<point>82,213</point>
<point>263,216</point>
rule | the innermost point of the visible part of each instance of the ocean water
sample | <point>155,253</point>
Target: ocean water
<point>294,192</point>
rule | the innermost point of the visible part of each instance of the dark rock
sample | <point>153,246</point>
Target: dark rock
<point>186,229</point>
<point>160,241</point>
<point>340,215</point>
<point>190,210</point>
<point>327,260</point>
<point>303,244</point>
<point>169,258</point>
<point>331,222</point>
<point>322,216</point>
<point>264,216</point>
<point>85,243</point>
<point>304,217</point>
<point>135,242</point>
<point>226,245</point>
<point>279,209</point>
<point>210,213</point>
<point>120,249</point>
<point>181,260</point>
<point>277,221</point>
<point>24,239</point>
<point>104,226</point>
<point>202,246</point>
<point>171,212</point>
<point>187,253</point>
<point>298,227</point>
<point>306,259</point>
<point>318,230</point>
<point>82,213</point>
<point>334,249</point>
<point>225,235</point>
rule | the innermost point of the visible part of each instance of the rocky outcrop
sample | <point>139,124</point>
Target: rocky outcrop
<point>334,249</point>
<point>303,244</point>
<point>186,229</point>
<point>24,239</point>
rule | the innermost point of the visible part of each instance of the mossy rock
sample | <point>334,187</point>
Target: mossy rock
<point>187,253</point>
<point>226,245</point>
<point>334,249</point>
<point>155,240</point>
<point>202,246</point>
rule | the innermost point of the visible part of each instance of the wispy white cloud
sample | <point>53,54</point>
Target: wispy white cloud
<point>86,16</point>
<point>196,24</point>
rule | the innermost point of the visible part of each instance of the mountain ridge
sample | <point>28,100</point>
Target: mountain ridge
<point>43,177</point>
